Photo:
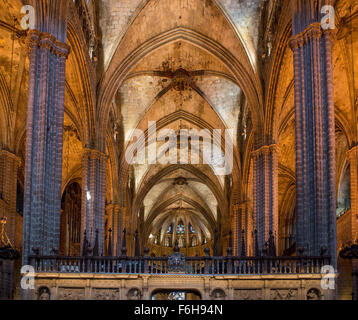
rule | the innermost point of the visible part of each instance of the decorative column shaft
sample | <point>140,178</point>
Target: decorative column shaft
<point>315,134</point>
<point>43,167</point>
<point>109,219</point>
<point>236,226</point>
<point>240,225</point>
<point>115,222</point>
<point>93,197</point>
<point>265,193</point>
<point>119,226</point>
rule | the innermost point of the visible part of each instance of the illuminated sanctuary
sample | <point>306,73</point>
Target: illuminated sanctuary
<point>178,149</point>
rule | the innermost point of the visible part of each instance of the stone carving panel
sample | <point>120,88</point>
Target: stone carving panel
<point>71,294</point>
<point>218,294</point>
<point>248,294</point>
<point>134,294</point>
<point>284,294</point>
<point>105,294</point>
<point>44,294</point>
<point>314,294</point>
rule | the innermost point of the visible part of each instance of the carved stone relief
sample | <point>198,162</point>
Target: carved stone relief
<point>44,294</point>
<point>105,294</point>
<point>134,294</point>
<point>284,294</point>
<point>218,294</point>
<point>71,294</point>
<point>314,294</point>
<point>248,294</point>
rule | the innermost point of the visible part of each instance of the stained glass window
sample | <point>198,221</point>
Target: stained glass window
<point>180,229</point>
<point>170,229</point>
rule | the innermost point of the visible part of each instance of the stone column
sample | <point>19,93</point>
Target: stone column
<point>113,211</point>
<point>235,227</point>
<point>118,225</point>
<point>239,224</point>
<point>265,193</point>
<point>93,197</point>
<point>315,131</point>
<point>353,161</point>
<point>9,164</point>
<point>109,218</point>
<point>43,167</point>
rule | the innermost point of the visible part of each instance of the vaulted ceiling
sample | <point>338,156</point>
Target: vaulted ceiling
<point>183,82</point>
<point>116,17</point>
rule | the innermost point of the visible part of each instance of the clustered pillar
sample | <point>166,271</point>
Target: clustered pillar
<point>315,132</point>
<point>93,198</point>
<point>43,167</point>
<point>113,212</point>
<point>236,226</point>
<point>265,195</point>
<point>239,228</point>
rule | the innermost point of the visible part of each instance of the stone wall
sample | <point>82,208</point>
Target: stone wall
<point>141,287</point>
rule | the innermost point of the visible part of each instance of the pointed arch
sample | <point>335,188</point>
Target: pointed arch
<point>242,76</point>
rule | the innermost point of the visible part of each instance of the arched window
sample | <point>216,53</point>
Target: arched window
<point>170,229</point>
<point>180,228</point>
<point>344,193</point>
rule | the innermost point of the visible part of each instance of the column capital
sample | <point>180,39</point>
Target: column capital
<point>94,154</point>
<point>11,155</point>
<point>44,40</point>
<point>264,150</point>
<point>352,153</point>
<point>313,31</point>
<point>114,206</point>
<point>241,205</point>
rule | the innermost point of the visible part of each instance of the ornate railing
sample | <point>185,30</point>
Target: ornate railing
<point>185,265</point>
